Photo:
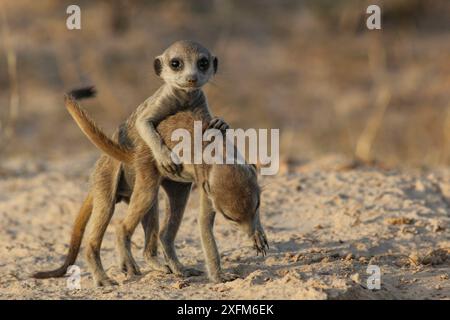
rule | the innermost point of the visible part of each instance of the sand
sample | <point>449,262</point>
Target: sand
<point>325,226</point>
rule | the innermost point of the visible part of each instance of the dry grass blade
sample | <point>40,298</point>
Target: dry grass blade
<point>7,127</point>
<point>377,62</point>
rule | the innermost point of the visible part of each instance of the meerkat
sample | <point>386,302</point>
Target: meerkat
<point>229,189</point>
<point>144,165</point>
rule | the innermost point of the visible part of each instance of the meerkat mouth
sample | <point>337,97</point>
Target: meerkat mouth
<point>190,86</point>
<point>236,221</point>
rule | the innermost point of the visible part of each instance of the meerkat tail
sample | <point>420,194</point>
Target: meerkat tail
<point>75,241</point>
<point>94,133</point>
<point>83,93</point>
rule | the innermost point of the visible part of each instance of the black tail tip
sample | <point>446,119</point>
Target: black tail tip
<point>38,275</point>
<point>82,93</point>
<point>58,273</point>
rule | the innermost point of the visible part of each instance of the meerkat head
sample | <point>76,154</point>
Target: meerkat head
<point>186,65</point>
<point>236,195</point>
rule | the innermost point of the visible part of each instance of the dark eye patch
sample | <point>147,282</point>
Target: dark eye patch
<point>176,64</point>
<point>203,64</point>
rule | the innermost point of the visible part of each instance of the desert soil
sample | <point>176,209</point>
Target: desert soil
<point>325,225</point>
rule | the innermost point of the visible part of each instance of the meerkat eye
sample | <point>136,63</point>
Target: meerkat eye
<point>176,64</point>
<point>203,64</point>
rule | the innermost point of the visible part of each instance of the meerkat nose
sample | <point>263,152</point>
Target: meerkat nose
<point>192,79</point>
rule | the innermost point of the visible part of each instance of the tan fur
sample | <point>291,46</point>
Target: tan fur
<point>97,137</point>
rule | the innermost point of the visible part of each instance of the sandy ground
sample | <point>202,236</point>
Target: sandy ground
<point>325,227</point>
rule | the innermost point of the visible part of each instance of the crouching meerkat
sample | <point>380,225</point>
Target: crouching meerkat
<point>131,171</point>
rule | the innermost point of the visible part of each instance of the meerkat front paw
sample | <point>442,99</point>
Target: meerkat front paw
<point>169,161</point>
<point>260,243</point>
<point>218,123</point>
<point>224,277</point>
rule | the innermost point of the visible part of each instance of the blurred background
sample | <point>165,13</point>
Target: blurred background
<point>310,68</point>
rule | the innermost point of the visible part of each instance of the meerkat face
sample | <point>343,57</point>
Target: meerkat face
<point>186,65</point>
<point>242,214</point>
<point>236,196</point>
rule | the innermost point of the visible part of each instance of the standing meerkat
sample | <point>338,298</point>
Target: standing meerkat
<point>136,176</point>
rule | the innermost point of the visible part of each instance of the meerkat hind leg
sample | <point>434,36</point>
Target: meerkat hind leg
<point>104,192</point>
<point>143,198</point>
<point>177,196</point>
<point>150,224</point>
<point>102,212</point>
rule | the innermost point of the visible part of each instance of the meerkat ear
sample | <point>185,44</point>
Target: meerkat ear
<point>157,65</point>
<point>215,64</point>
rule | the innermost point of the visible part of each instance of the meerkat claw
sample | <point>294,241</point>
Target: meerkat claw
<point>260,243</point>
<point>218,123</point>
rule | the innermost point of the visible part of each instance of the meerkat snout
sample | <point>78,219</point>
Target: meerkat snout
<point>236,195</point>
<point>186,65</point>
<point>192,79</point>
